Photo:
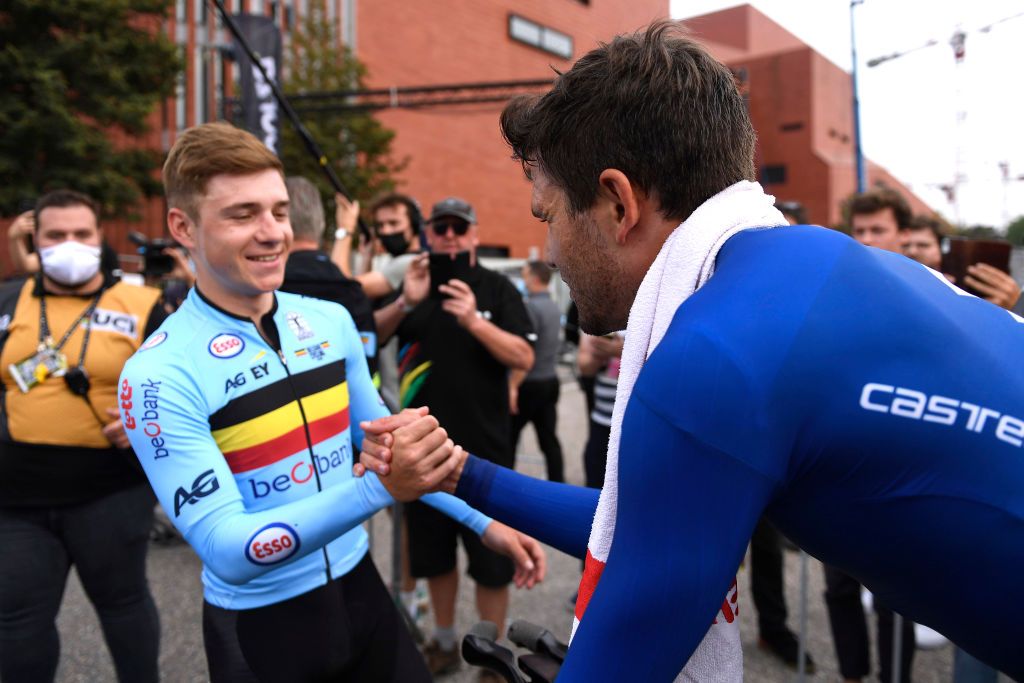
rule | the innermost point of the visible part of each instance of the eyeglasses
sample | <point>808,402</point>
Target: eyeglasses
<point>459,227</point>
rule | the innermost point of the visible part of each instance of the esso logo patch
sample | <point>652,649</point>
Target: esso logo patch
<point>272,544</point>
<point>226,346</point>
<point>155,340</point>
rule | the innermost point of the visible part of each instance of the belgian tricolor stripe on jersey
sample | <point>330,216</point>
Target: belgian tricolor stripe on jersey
<point>265,425</point>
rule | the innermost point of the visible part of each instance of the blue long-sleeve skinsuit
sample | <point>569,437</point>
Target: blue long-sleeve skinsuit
<point>875,415</point>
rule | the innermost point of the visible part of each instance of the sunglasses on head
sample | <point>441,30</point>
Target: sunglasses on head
<point>458,226</point>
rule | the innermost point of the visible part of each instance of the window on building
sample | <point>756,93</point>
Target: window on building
<point>201,83</point>
<point>523,30</point>
<point>773,174</point>
<point>180,98</point>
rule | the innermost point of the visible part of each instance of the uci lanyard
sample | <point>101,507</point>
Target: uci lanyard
<point>45,340</point>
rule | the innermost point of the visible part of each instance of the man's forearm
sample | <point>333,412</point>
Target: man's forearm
<point>508,349</point>
<point>341,255</point>
<point>557,514</point>
<point>388,318</point>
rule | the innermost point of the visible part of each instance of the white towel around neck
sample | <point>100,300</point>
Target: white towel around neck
<point>686,261</point>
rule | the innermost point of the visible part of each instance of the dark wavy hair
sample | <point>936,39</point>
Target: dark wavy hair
<point>878,199</point>
<point>654,105</point>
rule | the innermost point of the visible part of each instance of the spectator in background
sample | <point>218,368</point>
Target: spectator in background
<point>599,358</point>
<point>25,260</point>
<point>923,243</point>
<point>877,219</point>
<point>310,272</point>
<point>71,492</point>
<point>460,339</point>
<point>793,211</point>
<point>397,225</point>
<point>533,395</point>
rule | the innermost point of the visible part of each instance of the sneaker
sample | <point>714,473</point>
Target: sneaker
<point>441,662</point>
<point>786,648</point>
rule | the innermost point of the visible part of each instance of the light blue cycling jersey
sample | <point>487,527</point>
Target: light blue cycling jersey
<point>249,447</point>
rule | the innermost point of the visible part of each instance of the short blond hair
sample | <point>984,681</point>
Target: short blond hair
<point>209,150</point>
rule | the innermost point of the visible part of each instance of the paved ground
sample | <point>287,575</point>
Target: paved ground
<point>174,575</point>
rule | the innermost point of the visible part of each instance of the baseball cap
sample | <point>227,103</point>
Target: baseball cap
<point>453,206</point>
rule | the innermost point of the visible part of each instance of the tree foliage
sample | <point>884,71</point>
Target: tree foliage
<point>980,232</point>
<point>1015,231</point>
<point>356,143</point>
<point>75,74</point>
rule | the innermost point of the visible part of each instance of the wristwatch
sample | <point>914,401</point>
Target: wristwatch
<point>340,234</point>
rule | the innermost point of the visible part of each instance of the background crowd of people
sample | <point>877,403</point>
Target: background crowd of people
<point>71,494</point>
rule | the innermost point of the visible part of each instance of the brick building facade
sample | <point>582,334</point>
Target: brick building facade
<point>799,101</point>
<point>801,108</point>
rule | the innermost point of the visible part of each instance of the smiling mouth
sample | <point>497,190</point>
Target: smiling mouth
<point>263,259</point>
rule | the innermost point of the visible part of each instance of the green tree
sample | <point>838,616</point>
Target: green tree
<point>357,145</point>
<point>980,232</point>
<point>76,75</point>
<point>1015,231</point>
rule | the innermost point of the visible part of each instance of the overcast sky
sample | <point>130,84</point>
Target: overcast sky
<point>909,105</point>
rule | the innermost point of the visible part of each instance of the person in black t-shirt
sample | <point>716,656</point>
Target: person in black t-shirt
<point>458,341</point>
<point>310,272</point>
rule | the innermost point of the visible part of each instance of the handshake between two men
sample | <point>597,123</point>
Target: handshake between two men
<point>413,456</point>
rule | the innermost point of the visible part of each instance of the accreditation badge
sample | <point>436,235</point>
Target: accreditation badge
<point>46,362</point>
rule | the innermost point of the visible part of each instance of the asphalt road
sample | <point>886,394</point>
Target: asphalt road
<point>174,577</point>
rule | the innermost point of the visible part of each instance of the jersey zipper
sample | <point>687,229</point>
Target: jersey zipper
<point>309,438</point>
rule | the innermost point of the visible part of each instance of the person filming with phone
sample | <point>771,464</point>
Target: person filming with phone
<point>461,329</point>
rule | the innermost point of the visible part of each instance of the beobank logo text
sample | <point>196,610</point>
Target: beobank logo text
<point>300,473</point>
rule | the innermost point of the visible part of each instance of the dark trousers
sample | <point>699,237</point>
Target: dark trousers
<point>766,584</point>
<point>850,631</point>
<point>347,630</point>
<point>106,539</point>
<point>538,400</point>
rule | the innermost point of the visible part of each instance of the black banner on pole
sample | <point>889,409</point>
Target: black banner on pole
<point>259,106</point>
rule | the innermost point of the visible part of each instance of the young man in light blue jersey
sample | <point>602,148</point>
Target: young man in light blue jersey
<point>243,409</point>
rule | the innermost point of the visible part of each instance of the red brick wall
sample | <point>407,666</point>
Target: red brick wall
<point>459,150</point>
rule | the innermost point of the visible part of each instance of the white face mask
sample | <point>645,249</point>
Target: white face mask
<point>70,263</point>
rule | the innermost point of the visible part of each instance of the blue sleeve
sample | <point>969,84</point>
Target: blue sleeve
<point>366,404</point>
<point>559,515</point>
<point>192,480</point>
<point>685,514</point>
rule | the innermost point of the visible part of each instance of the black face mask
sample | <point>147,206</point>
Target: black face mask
<point>395,244</point>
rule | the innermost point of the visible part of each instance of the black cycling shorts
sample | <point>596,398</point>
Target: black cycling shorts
<point>347,630</point>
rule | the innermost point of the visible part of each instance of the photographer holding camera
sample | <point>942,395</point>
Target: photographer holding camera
<point>70,490</point>
<point>165,266</point>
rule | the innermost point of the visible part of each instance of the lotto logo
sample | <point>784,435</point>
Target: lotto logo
<point>155,340</point>
<point>226,346</point>
<point>272,544</point>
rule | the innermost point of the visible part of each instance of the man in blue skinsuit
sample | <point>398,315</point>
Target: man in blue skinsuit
<point>810,379</point>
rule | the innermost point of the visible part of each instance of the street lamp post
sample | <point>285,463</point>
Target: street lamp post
<point>858,152</point>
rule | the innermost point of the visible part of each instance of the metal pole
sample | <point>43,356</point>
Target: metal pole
<point>897,646</point>
<point>286,107</point>
<point>801,653</point>
<point>858,151</point>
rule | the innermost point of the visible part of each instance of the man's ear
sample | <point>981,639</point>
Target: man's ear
<point>618,203</point>
<point>181,227</point>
